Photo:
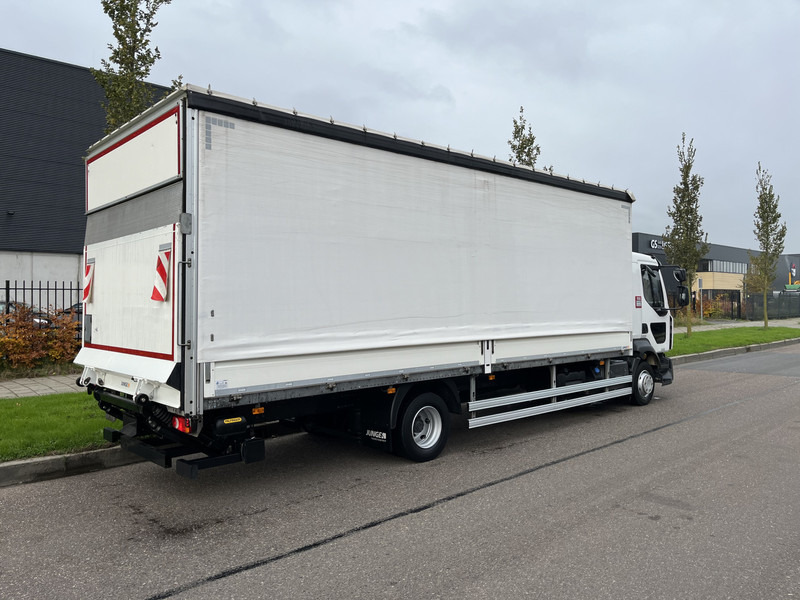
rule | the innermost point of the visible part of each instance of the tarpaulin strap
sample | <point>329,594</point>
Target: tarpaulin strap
<point>88,280</point>
<point>162,273</point>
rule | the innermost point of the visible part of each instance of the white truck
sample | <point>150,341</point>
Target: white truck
<point>246,266</point>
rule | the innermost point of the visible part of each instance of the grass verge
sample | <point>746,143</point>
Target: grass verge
<point>45,425</point>
<point>704,341</point>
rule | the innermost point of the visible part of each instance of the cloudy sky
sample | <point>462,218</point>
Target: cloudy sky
<point>608,87</point>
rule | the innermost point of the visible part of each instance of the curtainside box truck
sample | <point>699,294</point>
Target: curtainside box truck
<point>247,266</point>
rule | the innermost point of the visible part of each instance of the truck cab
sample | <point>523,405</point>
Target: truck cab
<point>653,323</point>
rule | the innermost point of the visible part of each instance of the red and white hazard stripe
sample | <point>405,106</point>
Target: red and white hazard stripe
<point>162,273</point>
<point>88,280</point>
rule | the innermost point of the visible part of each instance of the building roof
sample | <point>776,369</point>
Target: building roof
<point>653,244</point>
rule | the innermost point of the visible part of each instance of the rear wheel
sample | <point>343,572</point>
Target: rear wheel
<point>423,427</point>
<point>644,384</point>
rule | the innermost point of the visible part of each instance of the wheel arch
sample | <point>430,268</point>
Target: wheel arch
<point>643,351</point>
<point>446,389</point>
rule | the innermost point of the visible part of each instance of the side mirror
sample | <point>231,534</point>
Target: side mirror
<point>680,276</point>
<point>683,295</point>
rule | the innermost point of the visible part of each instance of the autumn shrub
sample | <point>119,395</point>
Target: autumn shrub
<point>26,343</point>
<point>63,342</point>
<point>714,309</point>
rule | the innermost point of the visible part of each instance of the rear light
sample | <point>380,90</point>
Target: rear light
<point>182,424</point>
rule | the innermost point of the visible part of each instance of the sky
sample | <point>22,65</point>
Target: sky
<point>608,87</point>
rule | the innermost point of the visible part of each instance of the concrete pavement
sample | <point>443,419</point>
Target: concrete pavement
<point>710,324</point>
<point>39,386</point>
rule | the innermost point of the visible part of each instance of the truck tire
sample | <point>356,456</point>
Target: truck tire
<point>423,427</point>
<point>644,384</point>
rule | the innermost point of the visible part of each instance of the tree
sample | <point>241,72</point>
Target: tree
<point>770,233</point>
<point>684,242</point>
<point>123,75</point>
<point>524,149</point>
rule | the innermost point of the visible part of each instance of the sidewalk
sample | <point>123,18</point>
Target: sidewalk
<point>710,324</point>
<point>39,386</point>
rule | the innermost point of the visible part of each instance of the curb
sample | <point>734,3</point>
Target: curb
<point>52,467</point>
<point>31,470</point>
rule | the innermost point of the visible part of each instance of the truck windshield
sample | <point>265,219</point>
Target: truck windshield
<point>651,285</point>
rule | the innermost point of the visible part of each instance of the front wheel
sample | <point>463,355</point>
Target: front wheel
<point>644,384</point>
<point>423,427</point>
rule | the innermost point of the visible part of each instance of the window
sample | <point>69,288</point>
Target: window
<point>721,266</point>
<point>651,285</point>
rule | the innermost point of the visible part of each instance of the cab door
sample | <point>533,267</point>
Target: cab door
<point>655,317</point>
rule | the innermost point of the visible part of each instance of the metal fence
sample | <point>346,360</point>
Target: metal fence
<point>48,296</point>
<point>782,305</point>
<point>719,304</point>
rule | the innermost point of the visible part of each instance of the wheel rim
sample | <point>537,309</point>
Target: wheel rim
<point>426,428</point>
<point>645,383</point>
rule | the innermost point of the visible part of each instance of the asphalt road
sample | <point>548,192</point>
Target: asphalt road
<point>695,496</point>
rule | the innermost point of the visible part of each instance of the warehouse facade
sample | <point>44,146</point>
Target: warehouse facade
<point>720,277</point>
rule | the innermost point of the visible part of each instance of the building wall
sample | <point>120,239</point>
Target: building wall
<point>719,281</point>
<point>38,266</point>
<point>51,114</point>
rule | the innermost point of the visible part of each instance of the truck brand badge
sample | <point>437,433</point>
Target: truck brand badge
<point>376,435</point>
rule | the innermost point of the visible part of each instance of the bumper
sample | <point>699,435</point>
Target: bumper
<point>664,375</point>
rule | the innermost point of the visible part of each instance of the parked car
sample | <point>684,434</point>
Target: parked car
<point>76,310</point>
<point>40,318</point>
